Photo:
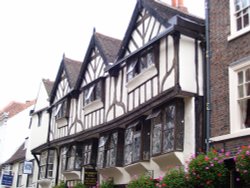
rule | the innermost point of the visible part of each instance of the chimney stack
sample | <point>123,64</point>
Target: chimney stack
<point>179,5</point>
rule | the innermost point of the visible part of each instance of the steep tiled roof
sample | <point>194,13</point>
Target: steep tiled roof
<point>72,68</point>
<point>166,11</point>
<point>109,45</point>
<point>19,155</point>
<point>14,108</point>
<point>48,85</point>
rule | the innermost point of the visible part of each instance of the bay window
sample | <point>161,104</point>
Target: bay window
<point>137,142</point>
<point>46,164</point>
<point>72,157</point>
<point>110,150</point>
<point>89,152</point>
<point>167,128</point>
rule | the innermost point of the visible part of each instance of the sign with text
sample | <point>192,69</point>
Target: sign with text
<point>90,177</point>
<point>7,180</point>
<point>27,167</point>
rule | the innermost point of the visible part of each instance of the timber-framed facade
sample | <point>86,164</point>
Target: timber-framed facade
<point>132,106</point>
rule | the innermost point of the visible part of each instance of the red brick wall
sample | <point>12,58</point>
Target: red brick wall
<point>223,53</point>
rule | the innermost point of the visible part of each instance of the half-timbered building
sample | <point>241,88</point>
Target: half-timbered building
<point>132,106</point>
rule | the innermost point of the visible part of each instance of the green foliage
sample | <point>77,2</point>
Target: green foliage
<point>174,178</point>
<point>242,161</point>
<point>107,183</point>
<point>80,185</point>
<point>208,170</point>
<point>142,181</point>
<point>62,184</point>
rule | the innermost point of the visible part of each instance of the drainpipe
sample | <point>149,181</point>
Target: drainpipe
<point>208,93</point>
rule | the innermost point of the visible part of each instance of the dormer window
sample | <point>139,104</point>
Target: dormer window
<point>61,110</point>
<point>138,64</point>
<point>93,92</point>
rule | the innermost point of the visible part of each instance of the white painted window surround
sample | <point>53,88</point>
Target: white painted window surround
<point>242,12</point>
<point>237,110</point>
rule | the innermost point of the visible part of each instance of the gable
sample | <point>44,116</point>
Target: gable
<point>95,67</point>
<point>146,28</point>
<point>63,87</point>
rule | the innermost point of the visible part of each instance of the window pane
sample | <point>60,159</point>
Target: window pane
<point>168,140</point>
<point>156,142</point>
<point>247,77</point>
<point>247,85</point>
<point>150,59</point>
<point>143,63</point>
<point>239,24</point>
<point>137,147</point>
<point>100,160</point>
<point>240,91</point>
<point>246,20</point>
<point>127,154</point>
<point>128,136</point>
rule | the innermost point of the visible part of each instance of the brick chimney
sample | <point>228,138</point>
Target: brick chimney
<point>179,5</point>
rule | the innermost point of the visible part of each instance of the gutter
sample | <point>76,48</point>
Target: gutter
<point>207,76</point>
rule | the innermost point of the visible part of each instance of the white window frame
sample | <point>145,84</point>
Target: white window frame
<point>233,24</point>
<point>236,115</point>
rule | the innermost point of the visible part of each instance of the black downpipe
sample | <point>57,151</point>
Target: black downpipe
<point>207,75</point>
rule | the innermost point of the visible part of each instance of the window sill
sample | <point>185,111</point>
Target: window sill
<point>169,159</point>
<point>141,78</point>
<point>72,175</point>
<point>93,106</point>
<point>44,182</point>
<point>137,168</point>
<point>237,34</point>
<point>62,122</point>
<point>240,133</point>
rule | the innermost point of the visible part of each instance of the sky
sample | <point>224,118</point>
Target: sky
<point>34,35</point>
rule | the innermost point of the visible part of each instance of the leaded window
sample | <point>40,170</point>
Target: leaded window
<point>93,92</point>
<point>62,110</point>
<point>142,61</point>
<point>47,164</point>
<point>73,157</point>
<point>137,141</point>
<point>167,128</point>
<point>108,150</point>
